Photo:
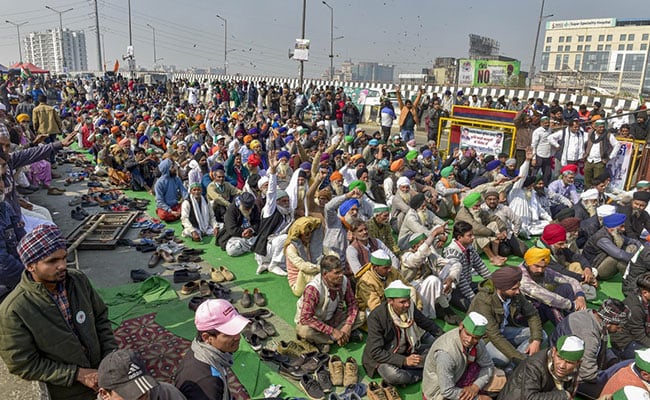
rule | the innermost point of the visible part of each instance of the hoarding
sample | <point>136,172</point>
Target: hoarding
<point>581,23</point>
<point>488,73</point>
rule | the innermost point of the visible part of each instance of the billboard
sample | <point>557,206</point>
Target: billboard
<point>488,73</point>
<point>581,23</point>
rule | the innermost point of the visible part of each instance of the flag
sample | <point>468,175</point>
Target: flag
<point>116,67</point>
<point>25,73</point>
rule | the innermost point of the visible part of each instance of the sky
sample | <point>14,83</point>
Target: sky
<point>407,33</point>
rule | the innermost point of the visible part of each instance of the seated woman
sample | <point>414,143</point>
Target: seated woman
<point>303,251</point>
<point>197,216</point>
<point>203,372</point>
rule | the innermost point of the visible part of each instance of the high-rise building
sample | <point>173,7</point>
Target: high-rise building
<point>55,52</point>
<point>607,53</point>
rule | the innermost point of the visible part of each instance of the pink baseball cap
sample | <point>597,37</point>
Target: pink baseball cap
<point>219,314</point>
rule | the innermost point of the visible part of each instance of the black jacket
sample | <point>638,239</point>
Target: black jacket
<point>233,221</point>
<point>641,266</point>
<point>532,380</point>
<point>635,327</point>
<point>196,380</point>
<point>383,338</point>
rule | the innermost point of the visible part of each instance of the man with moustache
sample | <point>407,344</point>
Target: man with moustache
<point>378,227</point>
<point>340,212</point>
<point>638,218</point>
<point>587,205</point>
<point>54,327</point>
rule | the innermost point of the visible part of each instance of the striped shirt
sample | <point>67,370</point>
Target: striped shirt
<point>463,260</point>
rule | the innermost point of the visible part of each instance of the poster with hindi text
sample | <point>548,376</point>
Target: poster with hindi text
<point>484,141</point>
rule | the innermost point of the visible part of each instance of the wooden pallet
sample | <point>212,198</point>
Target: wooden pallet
<point>101,231</point>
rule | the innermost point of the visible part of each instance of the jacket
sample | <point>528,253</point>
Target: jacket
<point>448,356</point>
<point>36,342</point>
<point>11,231</point>
<point>168,189</point>
<point>197,381</point>
<point>383,338</point>
<point>636,328</point>
<point>233,223</point>
<point>46,120</point>
<point>532,380</point>
<point>404,110</point>
<point>543,290</point>
<point>487,303</point>
<point>370,289</point>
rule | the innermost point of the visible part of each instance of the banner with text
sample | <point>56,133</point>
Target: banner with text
<point>488,73</point>
<point>482,140</point>
<point>619,167</point>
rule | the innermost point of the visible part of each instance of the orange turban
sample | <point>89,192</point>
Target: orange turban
<point>397,165</point>
<point>336,176</point>
<point>535,255</point>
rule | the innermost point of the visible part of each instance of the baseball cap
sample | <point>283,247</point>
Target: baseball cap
<point>220,315</point>
<point>124,372</point>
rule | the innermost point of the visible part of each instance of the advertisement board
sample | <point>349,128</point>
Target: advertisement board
<point>488,73</point>
<point>484,141</point>
<point>301,50</point>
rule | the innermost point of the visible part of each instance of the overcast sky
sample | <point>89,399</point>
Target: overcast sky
<point>407,33</point>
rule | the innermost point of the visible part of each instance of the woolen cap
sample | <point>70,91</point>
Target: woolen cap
<point>40,243</point>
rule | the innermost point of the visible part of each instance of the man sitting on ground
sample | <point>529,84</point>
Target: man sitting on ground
<point>169,192</point>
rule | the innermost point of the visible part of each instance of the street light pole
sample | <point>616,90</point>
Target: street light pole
<point>331,39</point>
<point>61,30</point>
<point>20,50</point>
<point>154,46</point>
<point>225,44</point>
<point>531,73</point>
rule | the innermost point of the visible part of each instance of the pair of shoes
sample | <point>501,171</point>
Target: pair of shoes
<point>54,191</point>
<point>252,339</point>
<point>221,274</point>
<point>322,376</point>
<point>188,258</point>
<point>355,391</point>
<point>193,286</point>
<point>246,300</point>
<point>273,356</point>
<point>139,275</point>
<point>75,201</point>
<point>185,275</point>
<point>291,349</point>
<point>145,248</point>
<point>195,302</point>
<point>336,369</point>
<point>78,213</point>
<point>291,372</point>
<point>376,392</point>
<point>311,362</point>
<point>266,326</point>
<point>312,388</point>
<point>274,269</point>
<point>259,313</point>
<point>390,391</point>
<point>219,291</point>
<point>257,297</point>
<point>154,259</point>
<point>257,328</point>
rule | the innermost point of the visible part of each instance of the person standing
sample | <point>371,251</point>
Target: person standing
<point>46,120</point>
<point>542,148</point>
<point>408,117</point>
<point>602,146</point>
<point>54,326</point>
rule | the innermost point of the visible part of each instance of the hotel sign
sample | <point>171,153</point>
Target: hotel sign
<point>581,23</point>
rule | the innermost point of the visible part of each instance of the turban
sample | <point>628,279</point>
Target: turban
<point>411,155</point>
<point>336,176</point>
<point>216,167</point>
<point>446,171</point>
<point>591,194</point>
<point>571,224</point>
<point>324,157</point>
<point>397,165</point>
<point>427,153</point>
<point>505,278</point>
<point>642,184</point>
<point>471,199</point>
<point>553,233</point>
<point>348,139</point>
<point>263,181</point>
<point>247,200</point>
<point>492,165</point>
<point>254,160</point>
<point>571,168</point>
<point>476,182</point>
<point>614,221</point>
<point>284,154</point>
<point>373,142</point>
<point>115,129</point>
<point>181,143</point>
<point>397,290</point>
<point>614,312</point>
<point>641,196</point>
<point>124,143</point>
<point>306,166</point>
<point>143,138</point>
<point>417,201</point>
<point>511,161</point>
<point>347,206</point>
<point>361,185</point>
<point>403,181</point>
<point>570,348</point>
<point>380,257</point>
<point>40,243</point>
<point>535,255</point>
<point>195,147</point>
<point>255,143</point>
<point>605,210</point>
<point>383,164</point>
<point>475,324</point>
<point>409,173</point>
<point>280,194</point>
<point>565,213</point>
<point>22,118</point>
<point>248,139</point>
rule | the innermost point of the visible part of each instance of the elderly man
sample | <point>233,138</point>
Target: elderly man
<point>241,224</point>
<point>601,147</point>
<point>609,250</point>
<point>635,374</point>
<point>587,205</point>
<point>489,231</point>
<point>500,301</point>
<point>424,270</point>
<point>450,191</point>
<point>395,348</point>
<point>219,192</point>
<point>419,219</point>
<point>322,322</point>
<point>339,213</point>
<point>564,186</point>
<point>638,219</point>
<point>197,216</point>
<point>594,328</point>
<point>379,227</point>
<point>511,244</point>
<point>551,374</point>
<point>458,365</point>
<point>634,335</point>
<point>169,191</point>
<point>54,327</point>
<point>639,264</point>
<point>553,294</point>
<point>362,245</point>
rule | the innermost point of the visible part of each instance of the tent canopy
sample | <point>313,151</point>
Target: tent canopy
<point>31,68</point>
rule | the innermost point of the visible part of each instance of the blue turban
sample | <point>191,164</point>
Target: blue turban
<point>492,165</point>
<point>614,220</point>
<point>347,206</point>
<point>284,154</point>
<point>409,173</point>
<point>195,146</point>
<point>143,138</point>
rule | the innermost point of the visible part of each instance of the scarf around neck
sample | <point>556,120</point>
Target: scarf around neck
<point>407,323</point>
<point>218,361</point>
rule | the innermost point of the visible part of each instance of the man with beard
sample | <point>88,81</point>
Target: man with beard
<point>638,218</point>
<point>401,200</point>
<point>609,250</point>
<point>284,170</point>
<point>552,293</point>
<point>197,216</point>
<point>489,231</point>
<point>509,171</point>
<point>54,326</point>
<point>635,335</point>
<point>601,147</point>
<point>379,227</point>
<point>324,322</point>
<point>339,214</point>
<point>564,186</point>
<point>336,183</point>
<point>512,244</point>
<point>169,190</point>
<point>450,192</point>
<point>142,169</point>
<point>419,219</point>
<point>297,191</point>
<point>378,174</point>
<point>547,375</point>
<point>220,193</point>
<point>241,224</point>
<point>362,245</point>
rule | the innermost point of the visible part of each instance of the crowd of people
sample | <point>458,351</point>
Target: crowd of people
<point>372,231</point>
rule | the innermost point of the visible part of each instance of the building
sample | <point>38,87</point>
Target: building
<point>55,52</point>
<point>367,71</point>
<point>604,54</point>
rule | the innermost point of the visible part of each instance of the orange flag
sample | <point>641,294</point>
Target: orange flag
<point>116,67</point>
